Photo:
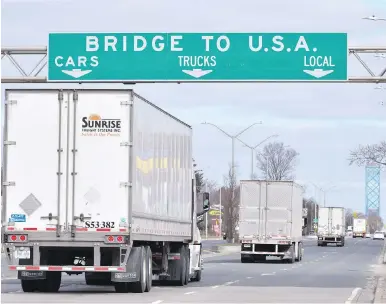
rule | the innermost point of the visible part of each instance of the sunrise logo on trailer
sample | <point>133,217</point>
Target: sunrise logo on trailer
<point>95,125</point>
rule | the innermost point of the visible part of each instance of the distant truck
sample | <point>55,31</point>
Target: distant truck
<point>359,228</point>
<point>99,182</point>
<point>331,226</point>
<point>270,220</point>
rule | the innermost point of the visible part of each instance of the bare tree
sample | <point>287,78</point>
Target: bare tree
<point>363,155</point>
<point>374,222</point>
<point>349,217</point>
<point>231,201</point>
<point>277,162</point>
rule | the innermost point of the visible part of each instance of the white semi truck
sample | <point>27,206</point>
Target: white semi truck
<point>359,228</point>
<point>331,226</point>
<point>98,182</point>
<point>270,220</point>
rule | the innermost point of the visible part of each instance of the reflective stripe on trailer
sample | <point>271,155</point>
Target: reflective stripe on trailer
<point>31,229</point>
<point>70,268</point>
<point>80,229</point>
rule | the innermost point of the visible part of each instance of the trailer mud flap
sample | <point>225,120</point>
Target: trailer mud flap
<point>31,275</point>
<point>132,267</point>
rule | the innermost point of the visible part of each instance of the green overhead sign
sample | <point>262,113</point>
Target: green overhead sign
<point>197,57</point>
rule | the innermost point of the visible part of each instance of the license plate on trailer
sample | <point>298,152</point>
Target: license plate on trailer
<point>23,254</point>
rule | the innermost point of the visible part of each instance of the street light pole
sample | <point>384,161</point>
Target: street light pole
<point>233,137</point>
<point>254,148</point>
<point>324,194</point>
<point>206,214</point>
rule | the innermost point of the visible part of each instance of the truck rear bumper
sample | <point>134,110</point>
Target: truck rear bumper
<point>277,249</point>
<point>69,268</point>
<point>330,239</point>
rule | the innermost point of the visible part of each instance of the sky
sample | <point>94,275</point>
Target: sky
<point>322,122</point>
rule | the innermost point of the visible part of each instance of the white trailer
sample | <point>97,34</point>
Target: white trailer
<point>359,228</point>
<point>270,220</point>
<point>98,182</point>
<point>331,226</point>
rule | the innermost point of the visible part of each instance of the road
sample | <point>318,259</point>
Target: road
<point>325,275</point>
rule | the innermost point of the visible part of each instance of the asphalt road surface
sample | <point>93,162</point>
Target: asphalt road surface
<point>325,275</point>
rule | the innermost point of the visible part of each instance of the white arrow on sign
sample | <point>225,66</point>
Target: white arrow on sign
<point>318,73</point>
<point>76,73</point>
<point>197,73</point>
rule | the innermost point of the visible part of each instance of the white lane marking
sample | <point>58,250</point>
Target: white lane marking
<point>157,302</point>
<point>324,256</point>
<point>316,260</point>
<point>354,293</point>
<point>217,286</point>
<point>268,274</point>
<point>249,278</point>
<point>284,269</point>
<point>231,282</point>
<point>190,292</point>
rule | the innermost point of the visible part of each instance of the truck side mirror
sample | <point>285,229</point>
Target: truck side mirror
<point>205,203</point>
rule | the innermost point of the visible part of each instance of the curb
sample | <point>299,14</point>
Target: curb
<point>380,285</point>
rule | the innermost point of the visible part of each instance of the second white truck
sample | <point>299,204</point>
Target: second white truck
<point>270,220</point>
<point>331,226</point>
<point>359,228</point>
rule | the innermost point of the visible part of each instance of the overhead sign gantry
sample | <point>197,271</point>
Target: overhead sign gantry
<point>193,57</point>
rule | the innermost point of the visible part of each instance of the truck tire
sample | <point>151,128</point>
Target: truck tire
<point>197,277</point>
<point>300,253</point>
<point>187,263</point>
<point>245,259</point>
<point>51,283</point>
<point>292,259</point>
<point>140,285</point>
<point>182,268</point>
<point>149,265</point>
<point>259,258</point>
<point>29,285</point>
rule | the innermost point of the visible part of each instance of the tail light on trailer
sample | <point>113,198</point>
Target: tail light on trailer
<point>17,238</point>
<point>115,239</point>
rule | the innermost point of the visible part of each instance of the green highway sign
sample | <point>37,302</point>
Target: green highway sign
<point>197,57</point>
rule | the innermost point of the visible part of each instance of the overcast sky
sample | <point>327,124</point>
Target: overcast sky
<point>323,122</point>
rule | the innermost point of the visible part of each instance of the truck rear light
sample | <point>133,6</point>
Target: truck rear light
<point>17,238</point>
<point>115,239</point>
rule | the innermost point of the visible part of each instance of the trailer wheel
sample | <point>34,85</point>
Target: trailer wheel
<point>187,263</point>
<point>245,259</point>
<point>51,283</point>
<point>300,253</point>
<point>292,259</point>
<point>29,285</point>
<point>140,286</point>
<point>149,265</point>
<point>197,277</point>
<point>182,267</point>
